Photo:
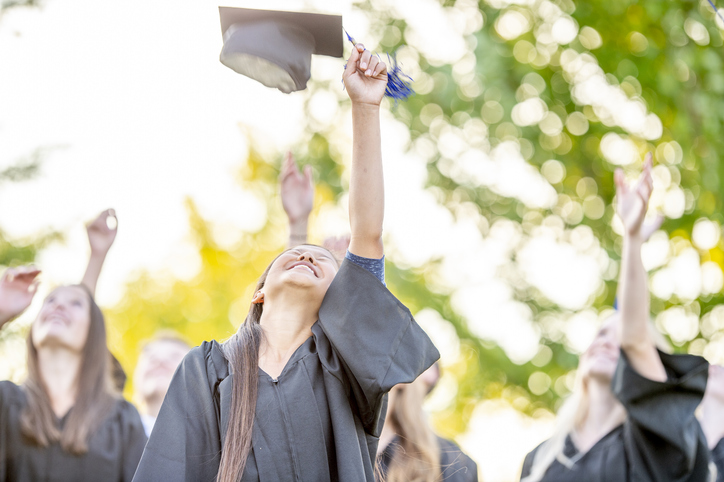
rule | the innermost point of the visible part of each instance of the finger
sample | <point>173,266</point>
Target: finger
<point>620,181</point>
<point>374,61</point>
<point>112,213</point>
<point>34,287</point>
<point>649,160</point>
<point>365,60</point>
<point>380,69</point>
<point>308,173</point>
<point>353,58</point>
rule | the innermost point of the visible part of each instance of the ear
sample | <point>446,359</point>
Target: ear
<point>258,298</point>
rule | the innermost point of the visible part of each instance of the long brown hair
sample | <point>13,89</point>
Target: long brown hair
<point>93,401</point>
<point>418,456</point>
<point>242,353</point>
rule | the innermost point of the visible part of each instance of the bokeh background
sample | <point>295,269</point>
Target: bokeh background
<point>500,231</point>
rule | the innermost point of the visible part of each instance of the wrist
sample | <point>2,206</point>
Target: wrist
<point>5,317</point>
<point>367,107</point>
<point>98,253</point>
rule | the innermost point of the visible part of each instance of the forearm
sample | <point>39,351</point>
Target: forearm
<point>633,295</point>
<point>297,232</point>
<point>366,191</point>
<point>93,271</point>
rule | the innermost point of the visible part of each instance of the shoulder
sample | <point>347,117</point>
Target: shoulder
<point>451,453</point>
<point>528,461</point>
<point>9,389</point>
<point>10,393</point>
<point>206,359</point>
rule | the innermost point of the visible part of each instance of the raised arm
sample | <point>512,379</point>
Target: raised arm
<point>633,293</point>
<point>365,79</point>
<point>101,238</point>
<point>297,191</point>
<point>17,289</point>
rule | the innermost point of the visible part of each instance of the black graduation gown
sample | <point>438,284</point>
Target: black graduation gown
<point>320,419</point>
<point>717,456</point>
<point>113,450</point>
<point>660,439</point>
<point>454,464</point>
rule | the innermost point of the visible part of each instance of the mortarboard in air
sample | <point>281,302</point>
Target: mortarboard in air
<point>275,47</point>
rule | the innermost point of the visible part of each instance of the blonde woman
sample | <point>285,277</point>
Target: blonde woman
<point>409,448</point>
<point>631,417</point>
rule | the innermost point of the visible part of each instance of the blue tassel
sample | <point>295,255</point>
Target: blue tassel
<point>712,6</point>
<point>398,82</point>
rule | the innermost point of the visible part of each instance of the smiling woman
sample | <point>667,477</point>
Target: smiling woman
<point>299,392</point>
<point>66,422</point>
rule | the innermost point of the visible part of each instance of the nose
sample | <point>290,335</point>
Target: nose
<point>307,256</point>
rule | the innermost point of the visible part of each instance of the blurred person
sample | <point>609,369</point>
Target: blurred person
<point>409,449</point>
<point>712,418</point>
<point>297,193</point>
<point>156,365</point>
<point>631,415</point>
<point>67,422</point>
<point>299,392</point>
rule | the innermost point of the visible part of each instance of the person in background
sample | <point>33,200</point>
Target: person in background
<point>67,422</point>
<point>156,365</point>
<point>409,449</point>
<point>712,418</point>
<point>631,415</point>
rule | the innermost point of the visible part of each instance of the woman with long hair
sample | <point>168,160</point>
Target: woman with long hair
<point>409,448</point>
<point>299,392</point>
<point>67,422</point>
<point>631,416</point>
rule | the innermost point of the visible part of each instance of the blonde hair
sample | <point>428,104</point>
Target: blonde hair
<point>418,456</point>
<point>570,416</point>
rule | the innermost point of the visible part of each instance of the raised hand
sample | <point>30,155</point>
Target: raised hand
<point>17,289</point>
<point>297,190</point>
<point>633,201</point>
<point>365,77</point>
<point>100,236</point>
<point>337,246</point>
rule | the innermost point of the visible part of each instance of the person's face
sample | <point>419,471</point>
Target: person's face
<point>156,366</point>
<point>310,269</point>
<point>601,357</point>
<point>715,385</point>
<point>64,320</point>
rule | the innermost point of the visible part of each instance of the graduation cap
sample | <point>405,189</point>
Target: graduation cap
<point>275,47</point>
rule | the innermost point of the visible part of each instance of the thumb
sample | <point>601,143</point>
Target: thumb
<point>353,59</point>
<point>308,173</point>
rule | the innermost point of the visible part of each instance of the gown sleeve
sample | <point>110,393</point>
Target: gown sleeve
<point>134,440</point>
<point>185,444</point>
<point>6,389</point>
<point>662,439</point>
<point>369,340</point>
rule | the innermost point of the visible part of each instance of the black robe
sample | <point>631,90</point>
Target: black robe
<point>454,464</point>
<point>660,440</point>
<point>114,449</point>
<point>320,419</point>
<point>717,456</point>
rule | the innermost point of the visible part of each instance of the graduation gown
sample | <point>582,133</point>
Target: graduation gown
<point>320,419</point>
<point>717,456</point>
<point>660,439</point>
<point>114,449</point>
<point>454,464</point>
